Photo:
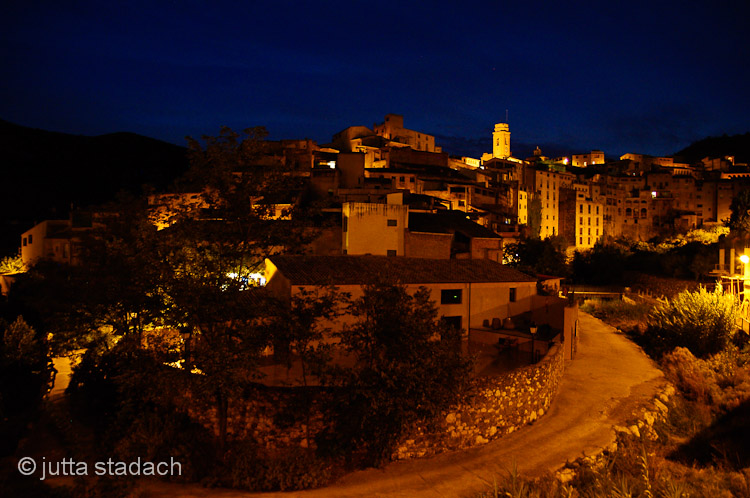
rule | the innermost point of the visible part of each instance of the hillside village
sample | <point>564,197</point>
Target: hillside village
<point>307,304</point>
<point>392,191</point>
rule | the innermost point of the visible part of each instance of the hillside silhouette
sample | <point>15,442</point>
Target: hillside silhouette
<point>45,172</point>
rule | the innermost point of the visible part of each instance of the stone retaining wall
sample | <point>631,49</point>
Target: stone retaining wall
<point>641,424</point>
<point>273,417</point>
<point>498,405</point>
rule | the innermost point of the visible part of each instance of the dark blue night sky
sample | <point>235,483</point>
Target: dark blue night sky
<point>615,76</point>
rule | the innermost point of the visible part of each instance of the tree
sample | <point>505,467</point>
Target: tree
<point>302,328</point>
<point>25,372</point>
<point>192,277</point>
<point>535,216</point>
<point>538,256</point>
<point>739,220</point>
<point>406,368</point>
<point>601,265</point>
<point>114,290</point>
<point>211,254</point>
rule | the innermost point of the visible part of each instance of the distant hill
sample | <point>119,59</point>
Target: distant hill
<point>725,145</point>
<point>44,172</point>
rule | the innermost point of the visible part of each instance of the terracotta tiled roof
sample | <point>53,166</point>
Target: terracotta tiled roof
<point>358,270</point>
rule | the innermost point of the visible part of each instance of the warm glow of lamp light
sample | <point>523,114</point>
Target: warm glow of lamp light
<point>258,278</point>
<point>745,259</point>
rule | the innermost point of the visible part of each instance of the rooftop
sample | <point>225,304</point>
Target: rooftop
<point>449,222</point>
<point>362,270</point>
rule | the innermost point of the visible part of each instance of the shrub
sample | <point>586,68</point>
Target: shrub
<point>700,321</point>
<point>620,314</point>
<point>690,375</point>
<point>161,435</point>
<point>249,467</point>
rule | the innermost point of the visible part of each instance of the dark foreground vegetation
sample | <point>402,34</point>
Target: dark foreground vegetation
<point>167,326</point>
<point>700,449</point>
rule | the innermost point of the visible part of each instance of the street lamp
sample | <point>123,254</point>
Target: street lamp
<point>185,333</point>
<point>744,259</point>
<point>532,331</point>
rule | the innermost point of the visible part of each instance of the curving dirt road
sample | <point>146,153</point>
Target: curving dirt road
<point>601,387</point>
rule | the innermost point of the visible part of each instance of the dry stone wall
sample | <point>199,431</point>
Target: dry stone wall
<point>497,405</point>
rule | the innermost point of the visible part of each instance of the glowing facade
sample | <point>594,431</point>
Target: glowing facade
<point>501,141</point>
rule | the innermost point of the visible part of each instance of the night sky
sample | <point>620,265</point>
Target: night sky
<point>621,77</point>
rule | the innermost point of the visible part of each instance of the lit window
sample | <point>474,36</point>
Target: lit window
<point>450,296</point>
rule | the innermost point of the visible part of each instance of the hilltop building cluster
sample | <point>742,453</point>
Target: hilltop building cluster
<point>395,192</point>
<point>391,192</point>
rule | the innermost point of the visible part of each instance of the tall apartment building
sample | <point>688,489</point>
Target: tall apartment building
<point>545,185</point>
<point>582,215</point>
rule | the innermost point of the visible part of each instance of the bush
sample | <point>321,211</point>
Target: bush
<point>700,321</point>
<point>693,377</point>
<point>621,314</point>
<point>249,467</point>
<point>161,435</point>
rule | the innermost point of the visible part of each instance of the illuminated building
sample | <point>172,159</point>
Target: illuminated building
<point>467,292</point>
<point>501,141</point>
<point>583,160</point>
<point>392,230</point>
<point>56,240</point>
<point>392,128</point>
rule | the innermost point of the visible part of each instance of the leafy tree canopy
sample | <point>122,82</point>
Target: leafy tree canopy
<point>408,368</point>
<point>739,220</point>
<point>538,256</point>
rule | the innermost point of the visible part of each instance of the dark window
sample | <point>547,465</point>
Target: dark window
<point>512,297</point>
<point>24,241</point>
<point>453,321</point>
<point>392,223</point>
<point>30,238</point>
<point>345,224</point>
<point>450,296</point>
<point>391,252</point>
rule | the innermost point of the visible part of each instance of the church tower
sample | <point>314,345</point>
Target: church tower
<point>501,141</point>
